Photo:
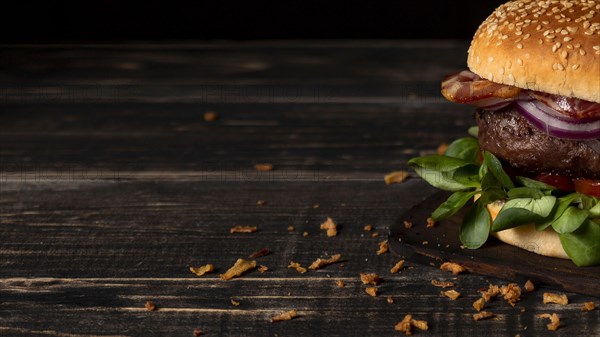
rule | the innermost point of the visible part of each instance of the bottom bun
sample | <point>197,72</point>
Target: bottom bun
<point>526,237</point>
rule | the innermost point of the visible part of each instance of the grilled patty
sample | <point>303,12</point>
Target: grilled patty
<point>508,135</point>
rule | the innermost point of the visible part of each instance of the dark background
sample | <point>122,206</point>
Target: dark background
<point>115,21</point>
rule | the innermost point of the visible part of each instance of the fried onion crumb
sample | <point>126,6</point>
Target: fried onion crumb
<point>330,227</point>
<point>441,150</point>
<point>483,315</point>
<point>284,316</point>
<point>372,291</point>
<point>263,167</point>
<point>383,247</point>
<point>298,267</point>
<point>395,177</point>
<point>588,306</point>
<point>372,278</point>
<point>479,304</point>
<point>368,228</point>
<point>430,222</point>
<point>240,266</point>
<point>554,321</point>
<point>150,306</point>
<point>529,286</point>
<point>262,268</point>
<point>390,300</point>
<point>397,267</point>
<point>455,268</point>
<point>408,224</point>
<point>492,292</point>
<point>210,116</point>
<point>451,294</point>
<point>318,263</point>
<point>243,229</point>
<point>556,298</point>
<point>234,302</point>
<point>340,283</point>
<point>200,271</point>
<point>511,293</point>
<point>442,284</point>
<point>407,323</point>
<point>260,253</point>
<point>197,332</point>
<point>404,325</point>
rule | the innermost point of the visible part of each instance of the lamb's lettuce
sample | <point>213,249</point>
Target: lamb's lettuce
<point>574,216</point>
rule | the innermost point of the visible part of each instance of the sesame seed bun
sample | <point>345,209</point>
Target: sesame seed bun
<point>549,46</point>
<point>526,237</point>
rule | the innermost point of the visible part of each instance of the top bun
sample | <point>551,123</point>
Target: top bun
<point>550,46</point>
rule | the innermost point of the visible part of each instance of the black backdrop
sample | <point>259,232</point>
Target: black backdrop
<point>111,20</point>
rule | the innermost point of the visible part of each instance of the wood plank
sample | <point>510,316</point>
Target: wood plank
<point>160,228</point>
<point>118,140</point>
<point>116,307</point>
<point>285,61</point>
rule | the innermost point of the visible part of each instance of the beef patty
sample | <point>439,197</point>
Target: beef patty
<point>508,135</point>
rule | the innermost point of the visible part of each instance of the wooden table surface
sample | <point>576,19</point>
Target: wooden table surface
<point>113,185</point>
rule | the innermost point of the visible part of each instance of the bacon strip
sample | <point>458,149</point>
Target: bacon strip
<point>572,107</point>
<point>469,88</point>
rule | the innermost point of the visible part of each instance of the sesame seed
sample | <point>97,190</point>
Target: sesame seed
<point>511,79</point>
<point>520,46</point>
<point>564,54</point>
<point>582,52</point>
<point>567,39</point>
<point>550,36</point>
<point>520,62</point>
<point>558,66</point>
<point>490,59</point>
<point>575,66</point>
<point>555,47</point>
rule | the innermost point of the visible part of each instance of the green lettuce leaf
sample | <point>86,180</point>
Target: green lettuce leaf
<point>455,202</point>
<point>475,228</point>
<point>583,245</point>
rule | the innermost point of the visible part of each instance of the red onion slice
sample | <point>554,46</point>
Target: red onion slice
<point>558,127</point>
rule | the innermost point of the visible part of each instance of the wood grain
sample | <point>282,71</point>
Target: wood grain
<point>112,185</point>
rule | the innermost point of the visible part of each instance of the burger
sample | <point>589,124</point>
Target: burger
<point>532,164</point>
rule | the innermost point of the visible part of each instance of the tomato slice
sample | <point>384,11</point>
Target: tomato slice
<point>588,187</point>
<point>557,180</point>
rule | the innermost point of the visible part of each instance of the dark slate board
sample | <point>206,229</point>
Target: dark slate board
<point>494,258</point>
